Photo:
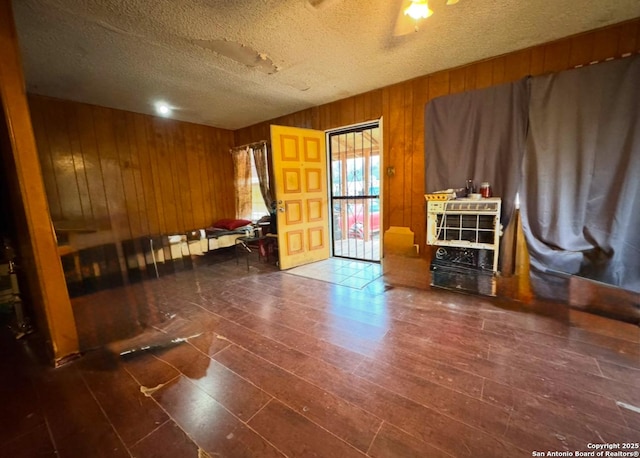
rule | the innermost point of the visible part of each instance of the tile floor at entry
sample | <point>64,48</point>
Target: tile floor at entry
<point>341,271</point>
<point>283,365</point>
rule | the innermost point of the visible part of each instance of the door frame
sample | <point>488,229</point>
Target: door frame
<point>344,129</point>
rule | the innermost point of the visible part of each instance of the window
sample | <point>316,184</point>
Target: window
<point>258,207</point>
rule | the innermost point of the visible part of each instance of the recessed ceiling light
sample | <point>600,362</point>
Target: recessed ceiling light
<point>163,109</point>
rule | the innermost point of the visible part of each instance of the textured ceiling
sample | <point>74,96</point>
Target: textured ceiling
<point>234,63</point>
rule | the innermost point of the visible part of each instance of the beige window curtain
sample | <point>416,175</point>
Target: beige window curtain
<point>242,170</point>
<point>260,158</point>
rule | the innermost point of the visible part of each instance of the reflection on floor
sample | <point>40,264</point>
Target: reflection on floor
<point>345,272</point>
<point>282,365</point>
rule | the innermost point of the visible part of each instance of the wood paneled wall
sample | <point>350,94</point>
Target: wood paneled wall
<point>402,109</point>
<point>121,175</point>
<point>39,269</point>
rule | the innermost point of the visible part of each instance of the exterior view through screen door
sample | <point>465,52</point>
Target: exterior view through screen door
<point>355,191</point>
<point>299,161</point>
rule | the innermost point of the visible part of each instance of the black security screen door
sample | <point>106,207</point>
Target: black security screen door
<point>355,191</point>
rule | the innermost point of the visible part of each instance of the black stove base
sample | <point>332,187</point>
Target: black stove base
<point>462,279</point>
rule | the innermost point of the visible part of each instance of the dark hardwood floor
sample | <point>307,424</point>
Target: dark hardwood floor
<point>280,365</point>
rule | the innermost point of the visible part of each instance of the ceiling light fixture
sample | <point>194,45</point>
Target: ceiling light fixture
<point>418,9</point>
<point>163,109</point>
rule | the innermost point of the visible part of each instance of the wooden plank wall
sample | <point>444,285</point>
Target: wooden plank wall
<point>40,272</point>
<point>402,109</point>
<point>130,175</point>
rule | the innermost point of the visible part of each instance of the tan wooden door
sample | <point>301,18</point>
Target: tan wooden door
<point>300,174</point>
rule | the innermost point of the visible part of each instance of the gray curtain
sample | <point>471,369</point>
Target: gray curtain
<point>581,188</point>
<point>261,160</point>
<point>478,135</point>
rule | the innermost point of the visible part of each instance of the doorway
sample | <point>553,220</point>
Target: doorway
<point>355,157</point>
